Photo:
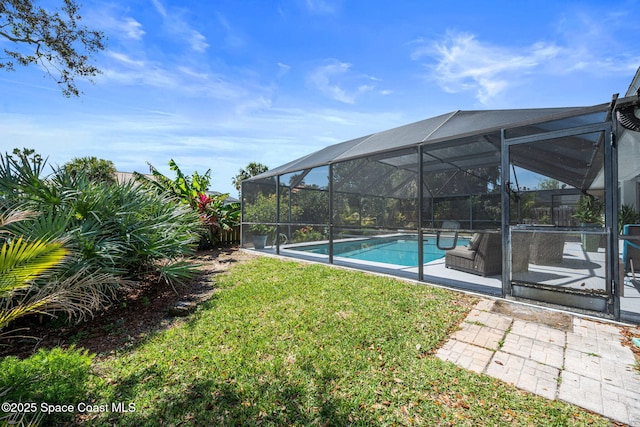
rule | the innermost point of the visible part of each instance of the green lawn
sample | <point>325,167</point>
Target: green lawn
<point>285,343</point>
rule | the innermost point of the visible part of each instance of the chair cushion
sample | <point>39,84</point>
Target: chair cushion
<point>474,242</point>
<point>462,252</point>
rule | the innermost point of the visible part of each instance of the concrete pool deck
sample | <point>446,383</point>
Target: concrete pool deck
<point>579,270</point>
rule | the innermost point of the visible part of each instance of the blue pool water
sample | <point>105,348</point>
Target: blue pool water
<point>400,251</point>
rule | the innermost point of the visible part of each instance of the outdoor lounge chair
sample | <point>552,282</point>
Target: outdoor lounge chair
<point>482,256</point>
<point>631,249</point>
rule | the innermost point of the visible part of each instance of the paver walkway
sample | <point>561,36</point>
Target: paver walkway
<point>581,362</point>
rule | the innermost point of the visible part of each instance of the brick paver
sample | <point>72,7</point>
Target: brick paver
<point>587,366</point>
<point>525,373</point>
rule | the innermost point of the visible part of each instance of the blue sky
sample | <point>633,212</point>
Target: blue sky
<point>218,84</point>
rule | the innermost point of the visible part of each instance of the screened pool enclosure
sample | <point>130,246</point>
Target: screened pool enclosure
<point>519,204</point>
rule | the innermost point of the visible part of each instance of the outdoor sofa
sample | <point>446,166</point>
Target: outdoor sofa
<point>482,256</point>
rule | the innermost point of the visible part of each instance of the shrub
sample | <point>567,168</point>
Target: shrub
<point>627,215</point>
<point>113,232</point>
<point>307,234</point>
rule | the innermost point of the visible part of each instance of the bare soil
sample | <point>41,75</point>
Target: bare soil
<point>553,319</point>
<point>133,318</point>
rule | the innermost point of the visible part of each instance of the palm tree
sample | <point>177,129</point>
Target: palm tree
<point>23,262</point>
<point>251,170</point>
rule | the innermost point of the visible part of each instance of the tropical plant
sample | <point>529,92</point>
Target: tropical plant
<point>589,210</point>
<point>307,234</point>
<point>123,231</point>
<point>252,169</point>
<point>20,178</point>
<point>186,189</point>
<point>32,281</point>
<point>627,215</point>
<point>214,212</point>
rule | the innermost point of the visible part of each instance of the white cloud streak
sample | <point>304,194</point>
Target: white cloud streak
<point>177,25</point>
<point>463,63</point>
<point>589,40</point>
<point>336,80</point>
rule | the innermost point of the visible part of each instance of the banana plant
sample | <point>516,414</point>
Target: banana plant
<point>215,214</point>
<point>187,189</point>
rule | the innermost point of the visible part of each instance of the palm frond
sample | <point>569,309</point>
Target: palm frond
<point>22,261</point>
<point>176,272</point>
<point>79,296</point>
<point>13,216</point>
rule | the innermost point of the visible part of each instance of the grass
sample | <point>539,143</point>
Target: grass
<point>285,343</point>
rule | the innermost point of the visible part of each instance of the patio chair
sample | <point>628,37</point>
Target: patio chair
<point>482,256</point>
<point>631,249</point>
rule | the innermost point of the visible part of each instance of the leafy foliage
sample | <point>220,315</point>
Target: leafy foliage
<point>52,40</point>
<point>589,210</point>
<point>215,214</point>
<point>115,233</point>
<point>252,169</point>
<point>307,234</point>
<point>95,170</point>
<point>627,215</point>
<point>32,281</point>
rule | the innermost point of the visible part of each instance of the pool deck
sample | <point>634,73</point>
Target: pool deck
<point>580,270</point>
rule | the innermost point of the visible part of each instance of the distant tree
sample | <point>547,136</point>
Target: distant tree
<point>53,40</point>
<point>96,170</point>
<point>252,169</point>
<point>549,184</point>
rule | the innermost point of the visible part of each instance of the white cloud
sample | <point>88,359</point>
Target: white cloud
<point>463,63</point>
<point>197,41</point>
<point>598,41</point>
<point>132,28</point>
<point>587,40</point>
<point>160,8</point>
<point>177,25</point>
<point>109,19</point>
<point>192,73</point>
<point>232,38</point>
<point>322,79</point>
<point>147,74</point>
<point>283,69</point>
<point>125,59</point>
<point>336,80</point>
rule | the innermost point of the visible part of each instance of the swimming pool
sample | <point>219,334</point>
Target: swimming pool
<point>398,250</point>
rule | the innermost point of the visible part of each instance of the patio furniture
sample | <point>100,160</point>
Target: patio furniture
<point>520,247</point>
<point>631,249</point>
<point>482,256</point>
<point>546,248</point>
